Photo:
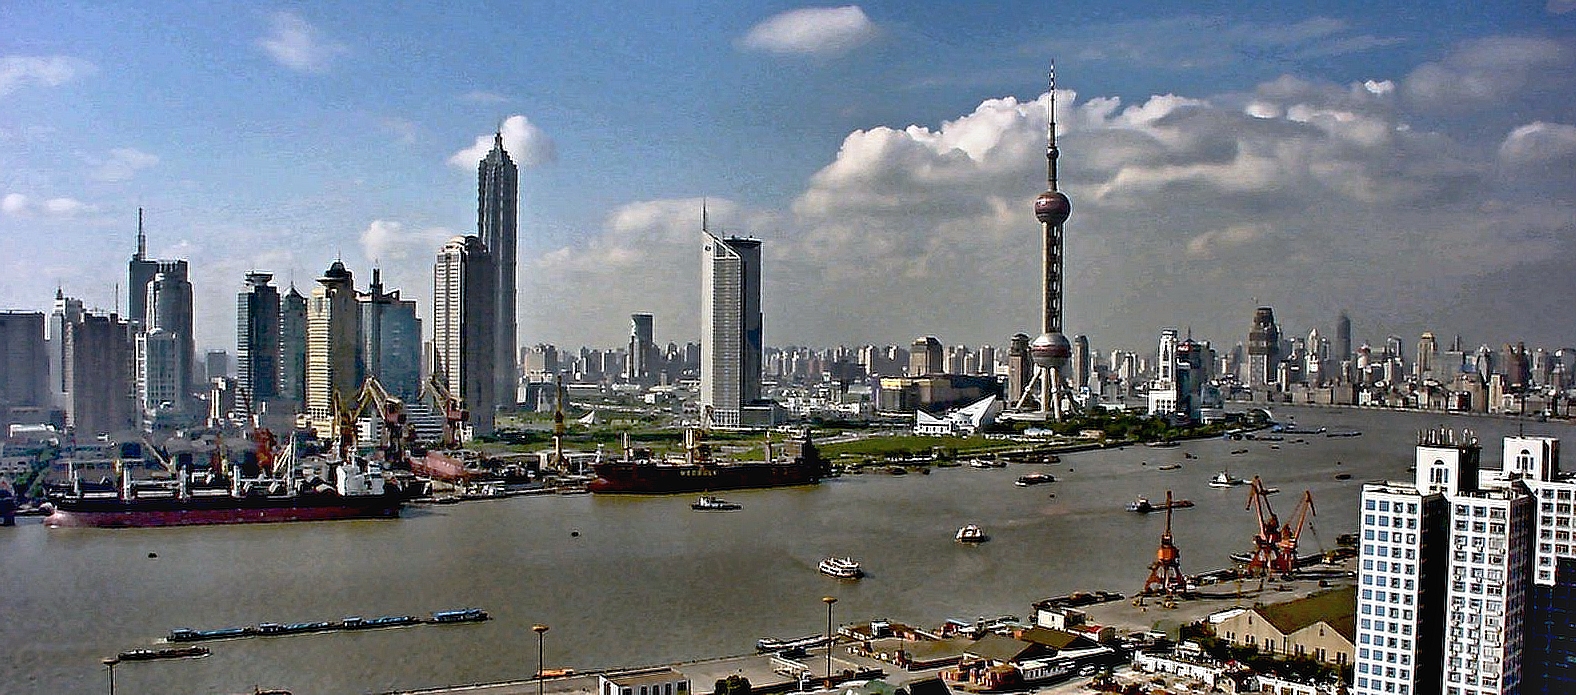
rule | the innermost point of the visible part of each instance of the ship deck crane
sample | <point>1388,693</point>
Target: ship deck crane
<point>1165,573</point>
<point>1267,540</point>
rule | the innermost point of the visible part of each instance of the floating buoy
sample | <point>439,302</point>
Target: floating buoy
<point>153,555</point>
<point>574,534</point>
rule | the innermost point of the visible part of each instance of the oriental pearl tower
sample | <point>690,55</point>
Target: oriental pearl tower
<point>1051,351</point>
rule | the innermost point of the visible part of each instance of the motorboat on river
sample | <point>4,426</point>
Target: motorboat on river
<point>842,568</point>
<point>971,533</point>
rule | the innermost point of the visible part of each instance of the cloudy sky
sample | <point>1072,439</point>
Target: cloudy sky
<point>1413,165</point>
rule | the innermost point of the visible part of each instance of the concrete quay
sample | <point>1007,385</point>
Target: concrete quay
<point>702,673</point>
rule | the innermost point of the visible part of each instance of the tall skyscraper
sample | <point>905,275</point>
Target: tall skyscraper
<point>1051,351</point>
<point>926,356</point>
<point>1083,361</point>
<point>66,311</point>
<point>140,272</point>
<point>462,326</point>
<point>497,223</point>
<point>292,349</point>
<point>166,349</point>
<point>731,326</point>
<point>257,343</point>
<point>99,355</point>
<point>1263,348</point>
<point>24,369</point>
<point>391,340</point>
<point>641,367</point>
<point>1427,353</point>
<point>333,346</point>
<point>1343,338</point>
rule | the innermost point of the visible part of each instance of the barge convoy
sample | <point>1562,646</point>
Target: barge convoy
<point>463,615</point>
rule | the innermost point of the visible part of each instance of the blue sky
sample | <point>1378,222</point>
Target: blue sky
<point>1409,164</point>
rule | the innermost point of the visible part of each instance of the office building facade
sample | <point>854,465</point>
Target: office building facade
<point>731,327</point>
<point>333,346</point>
<point>497,223</point>
<point>463,324</point>
<point>257,344</point>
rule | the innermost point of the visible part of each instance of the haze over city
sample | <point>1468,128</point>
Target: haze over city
<point>1413,166</point>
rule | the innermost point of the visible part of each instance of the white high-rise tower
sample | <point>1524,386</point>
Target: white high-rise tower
<point>731,326</point>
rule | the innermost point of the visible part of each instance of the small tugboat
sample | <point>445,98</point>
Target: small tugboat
<point>166,653</point>
<point>842,568</point>
<point>971,533</point>
<point>1224,479</point>
<point>710,503</point>
<point>1142,505</point>
<point>1034,479</point>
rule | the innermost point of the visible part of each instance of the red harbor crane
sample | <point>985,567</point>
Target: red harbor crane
<point>454,413</point>
<point>1266,541</point>
<point>1286,547</point>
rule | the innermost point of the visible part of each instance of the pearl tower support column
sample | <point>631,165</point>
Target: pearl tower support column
<point>1051,351</point>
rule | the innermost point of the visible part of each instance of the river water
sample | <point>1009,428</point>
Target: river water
<point>626,581</point>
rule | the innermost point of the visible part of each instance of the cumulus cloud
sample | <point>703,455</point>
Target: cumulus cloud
<point>811,31</point>
<point>20,205</point>
<point>17,71</point>
<point>296,44</point>
<point>1539,142</point>
<point>1207,201</point>
<point>1484,73</point>
<point>526,144</point>
<point>122,164</point>
<point>388,241</point>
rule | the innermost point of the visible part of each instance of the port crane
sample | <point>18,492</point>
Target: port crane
<point>395,434</point>
<point>1165,573</point>
<point>1266,541</point>
<point>1286,560</point>
<point>454,413</point>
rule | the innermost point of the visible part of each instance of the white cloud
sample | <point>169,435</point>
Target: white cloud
<point>297,45</point>
<point>1205,201</point>
<point>387,241</point>
<point>526,144</point>
<point>1539,143</point>
<point>20,205</point>
<point>17,71</point>
<point>122,164</point>
<point>811,31</point>
<point>1482,74</point>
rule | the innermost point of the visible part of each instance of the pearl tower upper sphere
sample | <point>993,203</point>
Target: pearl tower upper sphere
<point>1051,350</point>
<point>1052,207</point>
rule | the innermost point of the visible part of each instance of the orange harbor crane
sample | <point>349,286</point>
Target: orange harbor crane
<point>1266,541</point>
<point>1286,560</point>
<point>1165,573</point>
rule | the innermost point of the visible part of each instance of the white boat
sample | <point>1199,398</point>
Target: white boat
<point>971,533</point>
<point>709,503</point>
<point>842,568</point>
<point>1224,479</point>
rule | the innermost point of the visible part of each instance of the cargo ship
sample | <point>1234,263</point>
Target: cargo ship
<point>275,489</point>
<point>800,464</point>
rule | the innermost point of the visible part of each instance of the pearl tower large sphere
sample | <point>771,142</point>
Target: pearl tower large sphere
<point>1051,350</point>
<point>1052,207</point>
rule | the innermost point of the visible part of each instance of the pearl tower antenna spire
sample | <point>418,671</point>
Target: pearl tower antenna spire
<point>1051,351</point>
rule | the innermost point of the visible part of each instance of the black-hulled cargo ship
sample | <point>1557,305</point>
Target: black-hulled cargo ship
<point>281,489</point>
<point>800,464</point>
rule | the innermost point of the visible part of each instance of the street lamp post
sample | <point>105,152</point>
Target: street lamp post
<point>829,600</point>
<point>110,662</point>
<point>541,670</point>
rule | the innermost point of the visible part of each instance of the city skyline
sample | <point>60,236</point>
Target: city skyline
<point>1198,180</point>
